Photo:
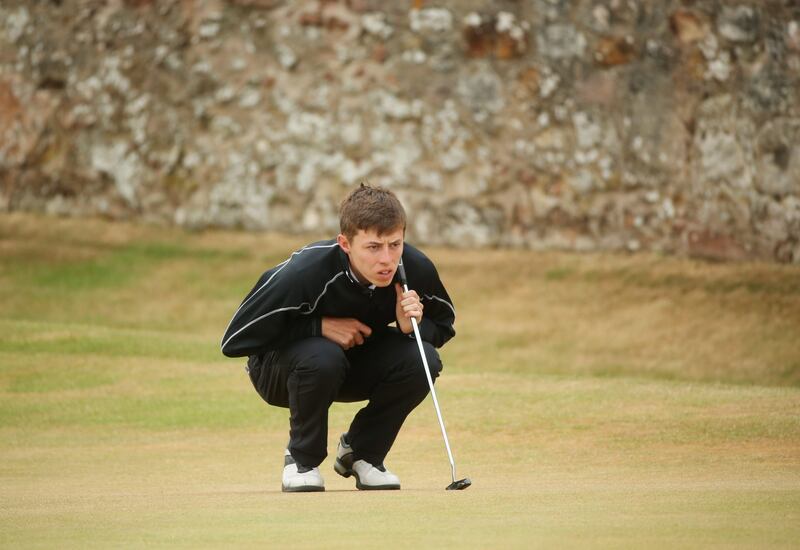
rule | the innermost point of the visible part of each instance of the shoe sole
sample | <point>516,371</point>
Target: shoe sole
<point>361,487</point>
<point>343,471</point>
<point>303,489</point>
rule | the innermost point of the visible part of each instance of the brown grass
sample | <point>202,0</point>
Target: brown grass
<point>595,400</point>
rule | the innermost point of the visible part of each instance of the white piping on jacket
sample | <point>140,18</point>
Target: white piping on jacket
<point>280,266</point>
<point>309,312</point>
<point>445,302</point>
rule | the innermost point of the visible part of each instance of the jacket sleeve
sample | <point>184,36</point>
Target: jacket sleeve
<point>439,314</point>
<point>275,313</point>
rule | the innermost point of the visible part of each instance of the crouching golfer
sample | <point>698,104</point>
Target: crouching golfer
<point>316,330</point>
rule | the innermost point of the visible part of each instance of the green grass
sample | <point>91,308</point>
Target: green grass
<point>595,401</point>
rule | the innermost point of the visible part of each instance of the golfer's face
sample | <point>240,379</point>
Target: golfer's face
<point>374,258</point>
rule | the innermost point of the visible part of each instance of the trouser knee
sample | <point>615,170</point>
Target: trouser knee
<point>313,365</point>
<point>413,363</point>
<point>324,363</point>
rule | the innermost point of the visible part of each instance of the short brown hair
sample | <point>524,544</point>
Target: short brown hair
<point>371,208</point>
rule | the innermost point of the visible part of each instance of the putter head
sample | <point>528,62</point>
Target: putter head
<point>459,485</point>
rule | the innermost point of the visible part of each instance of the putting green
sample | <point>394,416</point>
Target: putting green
<point>594,401</point>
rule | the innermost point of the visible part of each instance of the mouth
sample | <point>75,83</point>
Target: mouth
<point>385,274</point>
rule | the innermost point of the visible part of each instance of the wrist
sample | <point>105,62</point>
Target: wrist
<point>405,327</point>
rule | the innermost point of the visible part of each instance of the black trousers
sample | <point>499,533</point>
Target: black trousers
<point>308,375</point>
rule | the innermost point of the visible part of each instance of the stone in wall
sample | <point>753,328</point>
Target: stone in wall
<point>607,125</point>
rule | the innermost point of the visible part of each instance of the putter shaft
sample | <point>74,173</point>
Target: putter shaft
<point>433,391</point>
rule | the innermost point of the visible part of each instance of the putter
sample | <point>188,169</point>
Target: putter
<point>461,483</point>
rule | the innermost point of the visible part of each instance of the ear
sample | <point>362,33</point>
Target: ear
<point>344,244</point>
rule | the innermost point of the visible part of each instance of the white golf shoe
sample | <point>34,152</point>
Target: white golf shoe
<point>374,477</point>
<point>368,477</point>
<point>298,478</point>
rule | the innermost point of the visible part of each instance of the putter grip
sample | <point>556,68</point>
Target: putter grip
<point>401,274</point>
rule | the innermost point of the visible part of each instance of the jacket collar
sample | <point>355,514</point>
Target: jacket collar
<point>348,271</point>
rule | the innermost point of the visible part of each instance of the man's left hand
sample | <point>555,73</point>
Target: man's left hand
<point>408,306</point>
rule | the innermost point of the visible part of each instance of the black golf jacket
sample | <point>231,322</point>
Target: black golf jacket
<point>290,300</point>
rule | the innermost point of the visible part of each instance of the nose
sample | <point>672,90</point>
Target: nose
<point>386,257</point>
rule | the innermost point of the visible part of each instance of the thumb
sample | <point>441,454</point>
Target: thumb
<point>399,290</point>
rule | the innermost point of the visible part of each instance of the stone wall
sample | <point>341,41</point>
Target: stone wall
<point>584,125</point>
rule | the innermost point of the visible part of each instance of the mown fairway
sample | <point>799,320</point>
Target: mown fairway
<point>594,400</point>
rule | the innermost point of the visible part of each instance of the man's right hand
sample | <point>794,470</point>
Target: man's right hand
<point>345,331</point>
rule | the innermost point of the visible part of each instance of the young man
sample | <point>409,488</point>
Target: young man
<point>316,329</point>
